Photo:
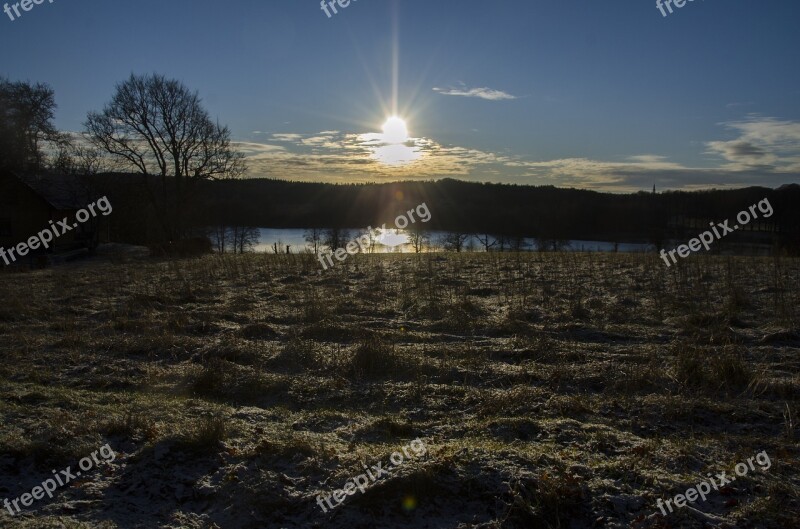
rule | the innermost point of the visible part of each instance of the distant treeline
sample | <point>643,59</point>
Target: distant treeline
<point>543,212</point>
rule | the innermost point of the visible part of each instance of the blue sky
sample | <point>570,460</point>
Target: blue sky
<point>583,93</point>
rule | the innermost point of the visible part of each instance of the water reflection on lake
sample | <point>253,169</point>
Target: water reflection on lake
<point>396,241</point>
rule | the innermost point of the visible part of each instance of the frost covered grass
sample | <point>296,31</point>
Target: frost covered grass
<point>551,390</point>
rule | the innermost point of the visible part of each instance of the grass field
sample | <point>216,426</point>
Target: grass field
<point>550,390</point>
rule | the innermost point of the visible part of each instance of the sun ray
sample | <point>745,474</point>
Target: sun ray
<point>395,60</point>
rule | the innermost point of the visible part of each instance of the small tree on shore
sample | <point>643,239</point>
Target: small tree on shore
<point>334,238</point>
<point>313,236</point>
<point>236,239</point>
<point>454,241</point>
<point>418,238</point>
<point>487,241</point>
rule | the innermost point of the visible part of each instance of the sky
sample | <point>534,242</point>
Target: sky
<point>611,95</point>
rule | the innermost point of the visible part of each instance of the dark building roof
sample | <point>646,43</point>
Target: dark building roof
<point>62,192</point>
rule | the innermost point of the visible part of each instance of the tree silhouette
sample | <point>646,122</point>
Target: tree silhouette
<point>26,123</point>
<point>157,126</point>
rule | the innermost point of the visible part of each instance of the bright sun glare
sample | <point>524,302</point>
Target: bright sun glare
<point>395,131</point>
<point>392,148</point>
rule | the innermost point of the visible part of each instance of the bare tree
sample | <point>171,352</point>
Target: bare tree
<point>551,244</point>
<point>237,239</point>
<point>454,241</point>
<point>245,239</point>
<point>76,158</point>
<point>219,237</point>
<point>26,123</point>
<point>333,238</point>
<point>502,241</point>
<point>487,241</point>
<point>373,234</point>
<point>470,245</point>
<point>517,243</point>
<point>158,127</point>
<point>313,236</point>
<point>418,238</point>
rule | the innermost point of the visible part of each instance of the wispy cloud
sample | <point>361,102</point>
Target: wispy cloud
<point>739,104</point>
<point>286,137</point>
<point>482,93</point>
<point>762,143</point>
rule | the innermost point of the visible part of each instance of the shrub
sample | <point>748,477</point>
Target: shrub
<point>373,358</point>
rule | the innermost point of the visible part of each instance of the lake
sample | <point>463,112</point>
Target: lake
<point>397,242</point>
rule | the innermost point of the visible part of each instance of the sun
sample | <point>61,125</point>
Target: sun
<point>395,131</point>
<point>395,147</point>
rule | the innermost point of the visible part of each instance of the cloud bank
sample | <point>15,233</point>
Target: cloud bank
<point>760,151</point>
